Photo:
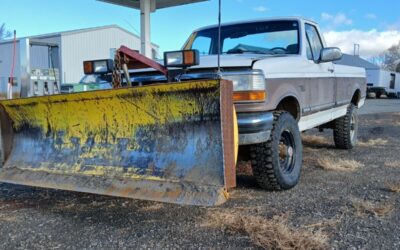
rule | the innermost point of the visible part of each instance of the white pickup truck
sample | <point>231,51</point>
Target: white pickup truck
<point>284,82</point>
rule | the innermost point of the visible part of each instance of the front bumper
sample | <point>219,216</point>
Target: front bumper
<point>255,127</point>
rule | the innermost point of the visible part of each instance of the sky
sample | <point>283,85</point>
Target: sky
<point>374,24</point>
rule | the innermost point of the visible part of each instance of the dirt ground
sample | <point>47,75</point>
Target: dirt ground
<point>345,200</point>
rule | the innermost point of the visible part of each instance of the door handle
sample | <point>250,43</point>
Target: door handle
<point>331,70</point>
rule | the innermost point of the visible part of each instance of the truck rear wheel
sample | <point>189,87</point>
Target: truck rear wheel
<point>277,163</point>
<point>346,129</point>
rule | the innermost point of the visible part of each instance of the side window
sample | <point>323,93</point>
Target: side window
<point>202,44</point>
<point>309,51</point>
<point>314,40</point>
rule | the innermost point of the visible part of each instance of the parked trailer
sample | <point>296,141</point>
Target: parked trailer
<point>394,85</point>
<point>382,82</point>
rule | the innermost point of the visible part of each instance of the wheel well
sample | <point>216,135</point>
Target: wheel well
<point>291,105</point>
<point>356,97</point>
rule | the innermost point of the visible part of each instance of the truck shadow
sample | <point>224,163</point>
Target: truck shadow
<point>75,208</point>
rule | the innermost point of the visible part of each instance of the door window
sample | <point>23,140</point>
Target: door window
<point>309,51</point>
<point>202,44</point>
<point>314,40</point>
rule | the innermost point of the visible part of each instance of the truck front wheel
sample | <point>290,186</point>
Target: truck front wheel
<point>277,163</point>
<point>346,129</point>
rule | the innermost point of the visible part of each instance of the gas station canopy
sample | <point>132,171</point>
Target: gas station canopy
<point>159,4</point>
<point>146,7</point>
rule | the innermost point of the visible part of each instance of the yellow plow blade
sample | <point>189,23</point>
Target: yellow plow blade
<point>171,142</point>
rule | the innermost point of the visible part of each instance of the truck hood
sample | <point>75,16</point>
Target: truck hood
<point>211,61</point>
<point>234,60</point>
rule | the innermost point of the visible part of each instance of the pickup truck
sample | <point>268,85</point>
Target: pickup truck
<point>284,83</point>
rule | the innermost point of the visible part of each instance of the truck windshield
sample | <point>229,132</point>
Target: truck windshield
<point>272,37</point>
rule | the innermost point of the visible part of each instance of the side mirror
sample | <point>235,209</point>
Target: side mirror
<point>330,55</point>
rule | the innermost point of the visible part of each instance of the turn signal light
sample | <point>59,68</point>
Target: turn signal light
<point>252,96</point>
<point>88,68</point>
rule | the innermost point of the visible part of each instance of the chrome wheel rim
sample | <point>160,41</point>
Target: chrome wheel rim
<point>353,127</point>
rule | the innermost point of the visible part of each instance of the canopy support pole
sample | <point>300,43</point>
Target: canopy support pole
<point>146,8</point>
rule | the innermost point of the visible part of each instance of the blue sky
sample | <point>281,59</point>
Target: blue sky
<point>369,22</point>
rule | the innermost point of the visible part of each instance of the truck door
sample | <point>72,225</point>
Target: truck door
<point>322,82</point>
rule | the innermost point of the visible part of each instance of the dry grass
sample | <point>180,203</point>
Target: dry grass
<point>392,164</point>
<point>393,187</point>
<point>315,140</point>
<point>8,218</point>
<point>377,209</point>
<point>331,223</point>
<point>269,234</point>
<point>244,168</point>
<point>373,143</point>
<point>330,164</point>
<point>309,161</point>
<point>152,208</point>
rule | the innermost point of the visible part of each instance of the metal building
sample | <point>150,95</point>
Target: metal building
<point>64,51</point>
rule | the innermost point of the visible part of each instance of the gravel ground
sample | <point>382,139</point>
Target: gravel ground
<point>353,209</point>
<point>377,106</point>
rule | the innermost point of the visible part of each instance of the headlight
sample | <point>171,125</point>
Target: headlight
<point>98,67</point>
<point>248,86</point>
<point>174,58</point>
<point>252,80</point>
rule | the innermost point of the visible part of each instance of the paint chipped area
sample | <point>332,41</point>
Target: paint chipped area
<point>105,116</point>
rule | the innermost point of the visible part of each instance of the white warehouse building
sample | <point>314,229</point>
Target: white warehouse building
<point>65,51</point>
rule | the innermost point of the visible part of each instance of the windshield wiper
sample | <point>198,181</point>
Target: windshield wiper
<point>241,51</point>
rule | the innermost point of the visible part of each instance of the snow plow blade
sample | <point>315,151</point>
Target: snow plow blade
<point>169,142</point>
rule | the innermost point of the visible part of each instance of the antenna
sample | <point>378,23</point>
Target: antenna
<point>219,37</point>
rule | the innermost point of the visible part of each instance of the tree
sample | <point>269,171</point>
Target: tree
<point>398,65</point>
<point>391,58</point>
<point>4,33</point>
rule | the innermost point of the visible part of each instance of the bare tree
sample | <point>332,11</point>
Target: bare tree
<point>391,58</point>
<point>4,33</point>
<point>398,65</point>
